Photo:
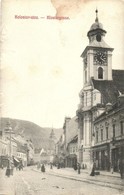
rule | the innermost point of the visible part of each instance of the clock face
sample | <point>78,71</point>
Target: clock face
<point>100,57</point>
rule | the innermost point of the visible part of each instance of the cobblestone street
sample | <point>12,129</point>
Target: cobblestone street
<point>33,182</point>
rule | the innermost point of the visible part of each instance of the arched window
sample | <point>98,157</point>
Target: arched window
<point>100,73</point>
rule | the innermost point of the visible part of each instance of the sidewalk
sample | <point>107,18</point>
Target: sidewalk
<point>6,184</point>
<point>104,179</point>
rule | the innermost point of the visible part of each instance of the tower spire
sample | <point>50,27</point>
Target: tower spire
<point>96,20</point>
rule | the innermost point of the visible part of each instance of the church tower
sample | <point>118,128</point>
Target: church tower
<point>97,56</point>
<point>97,66</point>
<point>52,141</point>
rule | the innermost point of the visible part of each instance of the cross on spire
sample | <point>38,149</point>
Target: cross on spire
<point>96,20</point>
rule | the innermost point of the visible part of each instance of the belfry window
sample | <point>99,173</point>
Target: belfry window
<point>100,73</point>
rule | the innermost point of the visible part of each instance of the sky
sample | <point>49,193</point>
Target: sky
<point>41,67</point>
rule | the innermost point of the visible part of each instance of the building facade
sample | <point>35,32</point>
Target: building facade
<point>101,85</point>
<point>108,149</point>
<point>72,149</point>
<point>8,146</point>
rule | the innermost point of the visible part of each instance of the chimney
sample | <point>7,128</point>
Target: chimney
<point>121,99</point>
<point>108,106</point>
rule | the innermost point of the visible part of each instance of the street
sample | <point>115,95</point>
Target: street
<point>32,182</point>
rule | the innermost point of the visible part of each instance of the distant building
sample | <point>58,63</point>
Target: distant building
<point>37,155</point>
<point>52,141</point>
<point>44,156</point>
<point>30,152</point>
<point>8,147</point>
<point>22,149</point>
<point>52,146</point>
<point>70,129</point>
<point>72,148</point>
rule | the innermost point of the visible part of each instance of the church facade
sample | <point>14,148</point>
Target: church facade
<point>101,86</point>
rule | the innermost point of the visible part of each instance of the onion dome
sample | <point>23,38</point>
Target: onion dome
<point>96,25</point>
<point>96,29</point>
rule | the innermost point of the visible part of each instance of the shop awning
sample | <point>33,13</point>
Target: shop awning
<point>72,156</point>
<point>16,159</point>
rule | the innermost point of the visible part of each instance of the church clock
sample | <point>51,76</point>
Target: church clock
<point>100,58</point>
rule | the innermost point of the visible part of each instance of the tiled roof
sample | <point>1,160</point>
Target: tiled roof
<point>74,139</point>
<point>110,89</point>
<point>118,79</point>
<point>115,108</point>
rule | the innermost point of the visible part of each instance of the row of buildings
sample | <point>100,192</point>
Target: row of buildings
<point>15,147</point>
<point>46,155</point>
<point>99,122</point>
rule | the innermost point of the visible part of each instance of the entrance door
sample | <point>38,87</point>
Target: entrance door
<point>115,159</point>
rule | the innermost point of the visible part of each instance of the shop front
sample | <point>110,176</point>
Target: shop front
<point>4,161</point>
<point>117,154</point>
<point>101,156</point>
<point>71,160</point>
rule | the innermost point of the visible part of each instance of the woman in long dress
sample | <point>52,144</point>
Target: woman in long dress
<point>43,168</point>
<point>93,170</point>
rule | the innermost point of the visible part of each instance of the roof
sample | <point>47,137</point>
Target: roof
<point>101,44</point>
<point>74,139</point>
<point>118,106</point>
<point>110,89</point>
<point>118,79</point>
<point>95,44</point>
<point>42,152</point>
<point>22,149</point>
<point>96,25</point>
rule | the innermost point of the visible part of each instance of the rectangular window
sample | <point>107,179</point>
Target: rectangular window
<point>101,134</point>
<point>96,136</point>
<point>122,127</point>
<point>86,98</point>
<point>114,130</point>
<point>106,132</point>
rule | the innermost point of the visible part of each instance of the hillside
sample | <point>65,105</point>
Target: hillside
<point>30,130</point>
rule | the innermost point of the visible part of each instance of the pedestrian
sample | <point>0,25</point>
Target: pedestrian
<point>12,168</point>
<point>42,168</point>
<point>111,167</point>
<point>93,169</point>
<point>8,170</point>
<point>75,167</point>
<point>78,168</point>
<point>51,166</point>
<point>121,169</point>
<point>20,166</point>
<point>58,166</point>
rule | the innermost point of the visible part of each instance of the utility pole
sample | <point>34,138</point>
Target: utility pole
<point>10,148</point>
<point>8,130</point>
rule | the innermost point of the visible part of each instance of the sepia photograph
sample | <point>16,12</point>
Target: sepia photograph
<point>61,97</point>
